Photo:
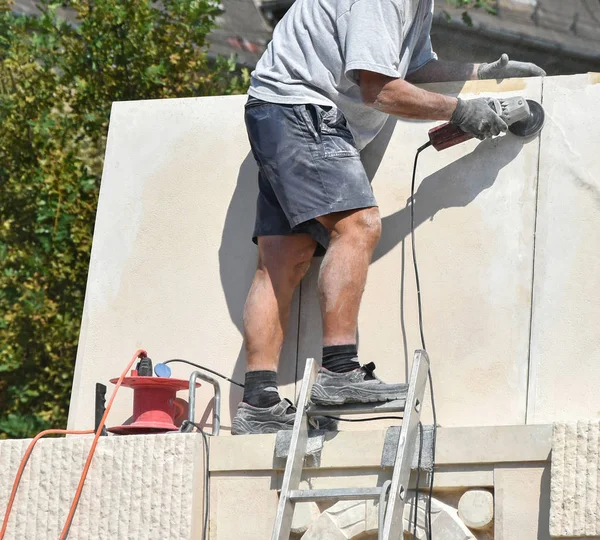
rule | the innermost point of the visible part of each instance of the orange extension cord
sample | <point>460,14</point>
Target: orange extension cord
<point>13,493</point>
<point>63,535</point>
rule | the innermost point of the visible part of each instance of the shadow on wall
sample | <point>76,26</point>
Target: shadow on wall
<point>449,187</point>
<point>238,258</point>
<point>544,516</point>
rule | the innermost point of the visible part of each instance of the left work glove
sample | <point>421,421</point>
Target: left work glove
<point>503,68</point>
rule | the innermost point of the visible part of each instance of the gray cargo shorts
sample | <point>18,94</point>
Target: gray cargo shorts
<point>308,166</point>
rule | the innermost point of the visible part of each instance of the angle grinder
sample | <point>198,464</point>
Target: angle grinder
<point>525,118</point>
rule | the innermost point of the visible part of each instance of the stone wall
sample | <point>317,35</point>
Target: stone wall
<point>507,235</point>
<point>490,483</point>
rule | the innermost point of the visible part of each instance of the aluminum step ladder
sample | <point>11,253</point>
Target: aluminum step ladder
<point>392,527</point>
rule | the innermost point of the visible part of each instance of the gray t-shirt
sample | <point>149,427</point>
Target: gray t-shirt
<point>319,46</point>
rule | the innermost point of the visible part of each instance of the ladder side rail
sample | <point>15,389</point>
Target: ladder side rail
<point>295,459</point>
<point>393,523</point>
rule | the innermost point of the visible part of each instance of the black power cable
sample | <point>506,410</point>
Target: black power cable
<point>206,475</point>
<point>370,419</point>
<point>420,309</point>
<point>412,237</point>
<point>181,361</point>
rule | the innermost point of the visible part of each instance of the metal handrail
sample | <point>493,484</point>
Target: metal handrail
<point>189,425</point>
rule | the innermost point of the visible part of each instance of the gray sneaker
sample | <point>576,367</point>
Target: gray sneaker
<point>357,386</point>
<point>255,420</point>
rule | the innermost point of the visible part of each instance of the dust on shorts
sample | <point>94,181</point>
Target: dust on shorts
<point>308,167</point>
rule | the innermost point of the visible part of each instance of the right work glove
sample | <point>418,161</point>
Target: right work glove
<point>504,68</point>
<point>476,117</point>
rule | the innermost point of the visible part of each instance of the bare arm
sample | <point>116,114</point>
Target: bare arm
<point>400,98</point>
<point>443,71</point>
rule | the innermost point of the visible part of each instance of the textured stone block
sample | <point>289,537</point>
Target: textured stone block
<point>147,487</point>
<point>390,448</point>
<point>575,501</point>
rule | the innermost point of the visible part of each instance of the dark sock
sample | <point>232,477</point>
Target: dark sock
<point>340,358</point>
<point>260,389</point>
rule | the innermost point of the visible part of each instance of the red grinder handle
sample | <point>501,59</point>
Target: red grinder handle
<point>447,135</point>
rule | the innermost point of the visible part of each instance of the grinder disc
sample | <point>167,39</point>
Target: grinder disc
<point>530,126</point>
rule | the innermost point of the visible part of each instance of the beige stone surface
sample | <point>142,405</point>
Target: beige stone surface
<point>356,519</point>
<point>305,513</point>
<point>522,503</point>
<point>565,348</point>
<point>143,487</point>
<point>172,258</point>
<point>474,211</point>
<point>476,508</point>
<point>478,448</point>
<point>324,528</point>
<point>445,522</point>
<point>464,476</point>
<point>494,444</point>
<point>242,505</point>
<point>352,517</point>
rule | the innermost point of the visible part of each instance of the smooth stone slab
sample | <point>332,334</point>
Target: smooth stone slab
<point>565,342</point>
<point>172,258</point>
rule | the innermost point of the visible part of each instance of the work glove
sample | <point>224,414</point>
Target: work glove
<point>476,117</point>
<point>503,68</point>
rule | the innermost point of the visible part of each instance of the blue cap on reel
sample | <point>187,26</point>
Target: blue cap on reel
<point>162,370</point>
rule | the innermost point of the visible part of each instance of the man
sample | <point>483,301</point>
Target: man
<point>333,73</point>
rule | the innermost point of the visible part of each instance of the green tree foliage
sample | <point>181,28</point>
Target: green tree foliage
<point>490,6</point>
<point>59,73</point>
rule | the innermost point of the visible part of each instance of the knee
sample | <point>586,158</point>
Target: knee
<point>286,272</point>
<point>363,226</point>
<point>299,270</point>
<point>286,267</point>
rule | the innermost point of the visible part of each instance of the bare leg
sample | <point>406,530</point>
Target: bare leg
<point>354,236</point>
<point>282,263</point>
<point>343,274</point>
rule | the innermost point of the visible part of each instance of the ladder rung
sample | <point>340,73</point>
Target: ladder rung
<point>357,408</point>
<point>337,494</point>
